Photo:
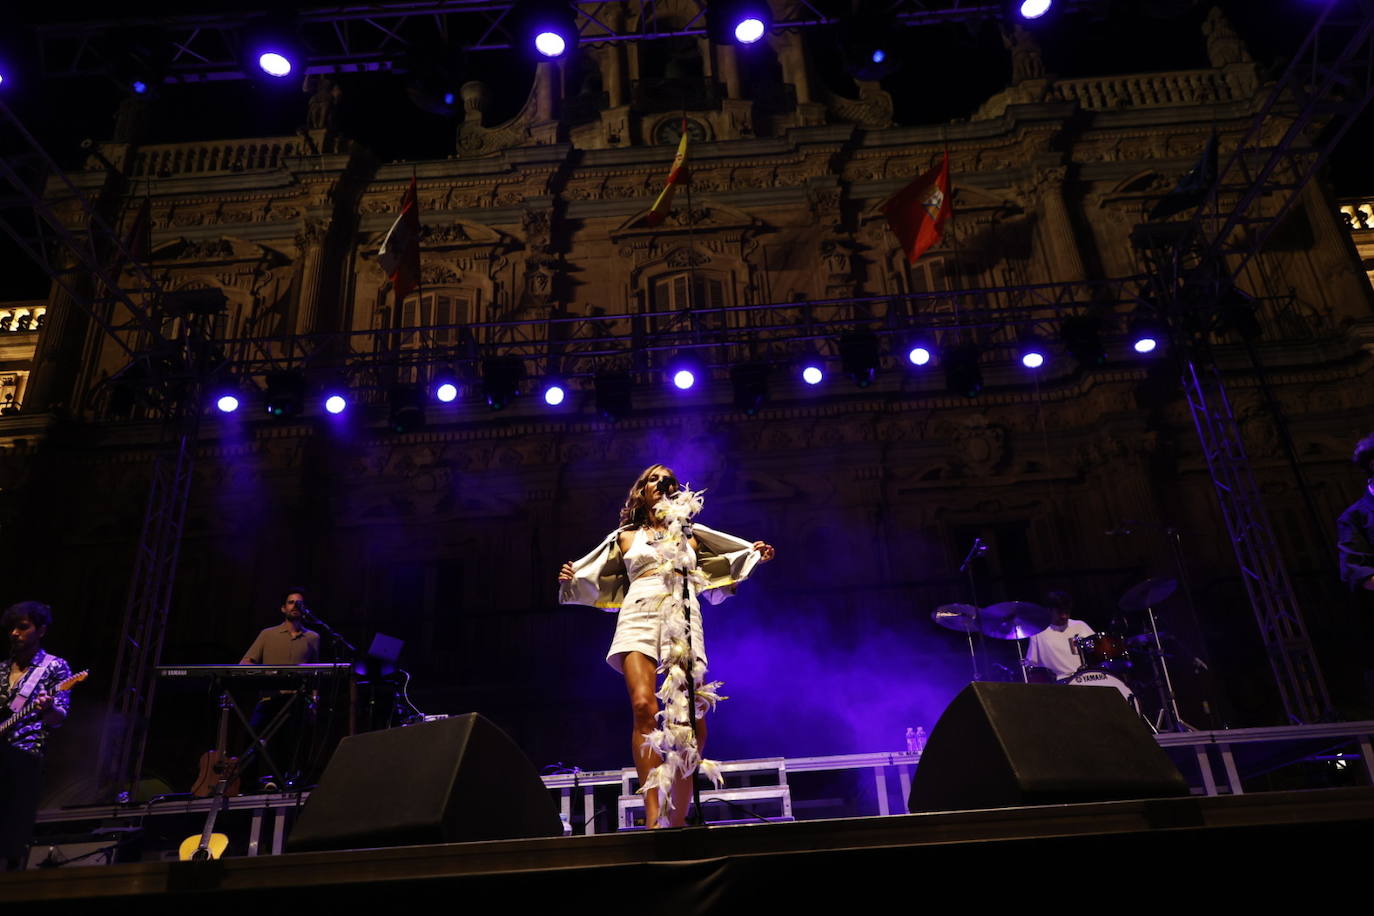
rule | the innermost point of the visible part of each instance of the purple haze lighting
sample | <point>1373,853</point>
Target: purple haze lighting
<point>1034,9</point>
<point>446,392</point>
<point>274,63</point>
<point>554,395</point>
<point>749,30</point>
<point>1145,345</point>
<point>227,403</point>
<point>335,403</point>
<point>1033,360</point>
<point>684,379</point>
<point>550,44</point>
<point>918,356</point>
<point>812,375</point>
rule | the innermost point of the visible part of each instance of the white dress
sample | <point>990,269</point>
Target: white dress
<point>639,624</point>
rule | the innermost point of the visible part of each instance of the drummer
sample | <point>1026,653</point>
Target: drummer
<point>1054,647</point>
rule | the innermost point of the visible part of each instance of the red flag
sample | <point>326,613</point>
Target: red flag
<point>676,175</point>
<point>918,212</point>
<point>400,253</point>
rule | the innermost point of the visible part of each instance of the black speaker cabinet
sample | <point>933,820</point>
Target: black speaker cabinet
<point>451,781</point>
<point>1001,745</point>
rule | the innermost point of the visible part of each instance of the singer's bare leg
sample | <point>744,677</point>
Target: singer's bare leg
<point>641,679</point>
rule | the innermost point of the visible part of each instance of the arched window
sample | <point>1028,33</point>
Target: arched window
<point>695,290</point>
<point>441,310</point>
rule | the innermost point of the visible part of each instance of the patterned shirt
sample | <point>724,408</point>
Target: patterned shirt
<point>30,734</point>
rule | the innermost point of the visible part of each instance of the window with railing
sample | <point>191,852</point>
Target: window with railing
<point>439,311</point>
<point>679,292</point>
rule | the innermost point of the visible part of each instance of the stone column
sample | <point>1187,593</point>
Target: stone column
<point>310,241</point>
<point>57,356</point>
<point>729,70</point>
<point>792,57</point>
<point>1055,233</point>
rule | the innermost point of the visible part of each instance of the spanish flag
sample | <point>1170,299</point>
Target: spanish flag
<point>676,175</point>
<point>400,253</point>
<point>918,212</point>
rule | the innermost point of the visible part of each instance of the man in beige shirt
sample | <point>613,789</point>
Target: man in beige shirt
<point>288,643</point>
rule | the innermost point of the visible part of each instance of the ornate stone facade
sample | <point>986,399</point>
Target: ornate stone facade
<point>450,535</point>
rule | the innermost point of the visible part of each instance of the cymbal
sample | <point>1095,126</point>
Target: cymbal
<point>1147,594</point>
<point>961,618</point>
<point>1015,619</point>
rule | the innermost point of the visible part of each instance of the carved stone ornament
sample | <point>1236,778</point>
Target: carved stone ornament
<point>686,257</point>
<point>439,274</point>
<point>982,446</point>
<point>872,109</point>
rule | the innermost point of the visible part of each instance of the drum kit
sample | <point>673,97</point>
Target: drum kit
<point>1124,662</point>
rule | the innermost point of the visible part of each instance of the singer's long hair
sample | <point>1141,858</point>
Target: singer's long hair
<point>636,509</point>
<point>1364,454</point>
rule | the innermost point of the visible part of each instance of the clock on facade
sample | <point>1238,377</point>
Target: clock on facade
<point>669,131</point>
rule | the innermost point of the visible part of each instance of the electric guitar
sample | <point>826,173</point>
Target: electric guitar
<point>28,708</point>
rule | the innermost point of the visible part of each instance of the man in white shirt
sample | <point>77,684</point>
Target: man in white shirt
<point>1053,647</point>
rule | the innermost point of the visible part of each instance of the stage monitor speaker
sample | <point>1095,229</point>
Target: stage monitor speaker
<point>1002,745</point>
<point>451,781</point>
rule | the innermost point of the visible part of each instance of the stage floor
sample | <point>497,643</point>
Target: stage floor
<point>1100,854</point>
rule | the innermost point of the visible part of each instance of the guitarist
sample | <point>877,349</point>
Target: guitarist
<point>29,675</point>
<point>1355,527</point>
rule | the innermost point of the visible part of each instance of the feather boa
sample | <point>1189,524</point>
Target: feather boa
<point>673,740</point>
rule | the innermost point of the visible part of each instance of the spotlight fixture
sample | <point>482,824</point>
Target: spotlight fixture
<point>685,370</point>
<point>335,403</point>
<point>227,402</point>
<point>1032,353</point>
<point>407,408</point>
<point>1031,9</point>
<point>859,356</point>
<point>555,392</point>
<point>445,392</point>
<point>273,48</point>
<point>226,395</point>
<point>812,372</point>
<point>1081,335</point>
<point>549,26</point>
<point>962,375</point>
<point>285,396</point>
<point>613,394</point>
<point>919,352</point>
<point>1146,335</point>
<point>501,378</point>
<point>750,384</point>
<point>867,42</point>
<point>738,22</point>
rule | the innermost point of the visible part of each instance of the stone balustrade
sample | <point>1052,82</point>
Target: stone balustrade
<point>222,156</point>
<point>16,319</point>
<point>1144,90</point>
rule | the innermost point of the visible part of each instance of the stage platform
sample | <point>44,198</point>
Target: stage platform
<point>1094,855</point>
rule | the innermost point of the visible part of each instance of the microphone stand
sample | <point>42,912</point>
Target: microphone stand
<point>698,818</point>
<point>342,648</point>
<point>976,551</point>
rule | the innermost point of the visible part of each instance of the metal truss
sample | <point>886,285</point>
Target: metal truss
<point>1325,88</point>
<point>1277,613</point>
<point>369,37</point>
<point>130,704</point>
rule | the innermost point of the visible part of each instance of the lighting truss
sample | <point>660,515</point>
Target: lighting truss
<point>368,37</point>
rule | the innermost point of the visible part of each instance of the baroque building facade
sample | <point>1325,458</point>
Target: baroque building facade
<point>449,536</point>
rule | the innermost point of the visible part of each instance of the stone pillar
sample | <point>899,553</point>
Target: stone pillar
<point>310,241</point>
<point>1055,233</point>
<point>57,356</point>
<point>792,57</point>
<point>611,58</point>
<point>729,70</point>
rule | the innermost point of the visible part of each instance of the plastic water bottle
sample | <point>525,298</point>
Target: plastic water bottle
<point>911,740</point>
<point>920,739</point>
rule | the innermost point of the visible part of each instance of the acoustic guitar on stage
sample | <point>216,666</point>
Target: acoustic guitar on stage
<point>219,778</point>
<point>28,708</point>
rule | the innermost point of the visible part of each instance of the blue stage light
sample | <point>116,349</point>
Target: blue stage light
<point>554,394</point>
<point>684,379</point>
<point>918,355</point>
<point>445,392</point>
<point>749,30</point>
<point>139,87</point>
<point>1145,344</point>
<point>227,403</point>
<point>336,403</point>
<point>274,63</point>
<point>812,374</point>
<point>550,44</point>
<point>1034,9</point>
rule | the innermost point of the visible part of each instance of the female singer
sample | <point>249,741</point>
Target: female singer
<point>639,570</point>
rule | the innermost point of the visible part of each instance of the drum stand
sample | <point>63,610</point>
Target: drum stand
<point>1168,703</point>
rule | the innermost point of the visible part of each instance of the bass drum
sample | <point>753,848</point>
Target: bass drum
<point>1092,677</point>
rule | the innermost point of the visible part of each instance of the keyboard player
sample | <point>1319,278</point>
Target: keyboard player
<point>288,643</point>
